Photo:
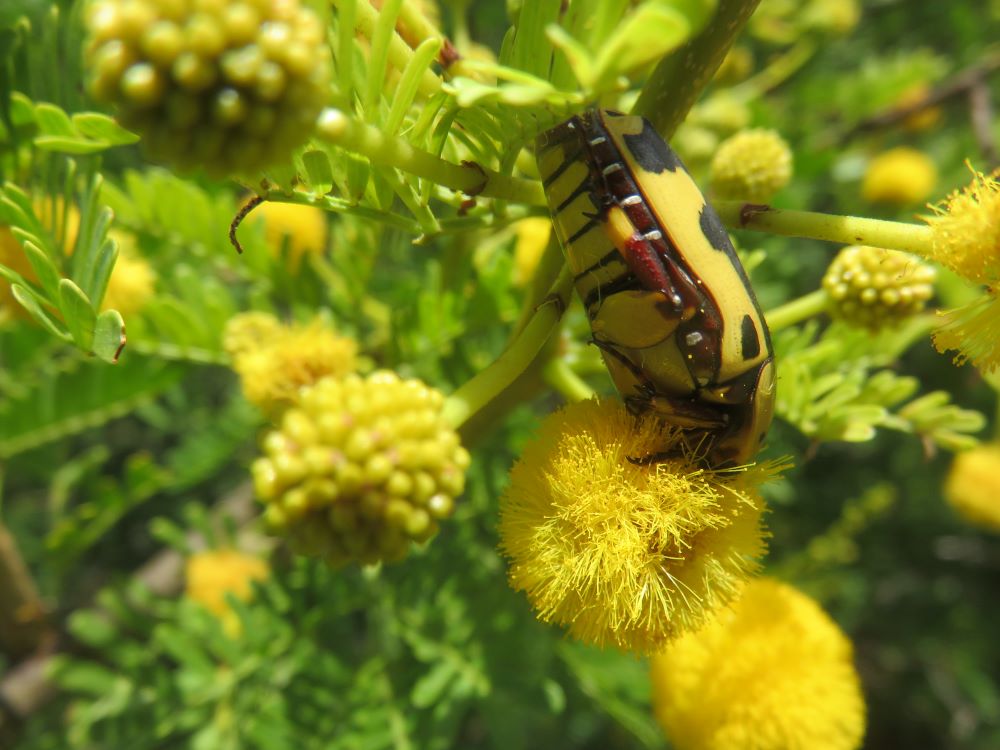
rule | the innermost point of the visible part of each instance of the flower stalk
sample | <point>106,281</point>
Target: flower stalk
<point>338,128</point>
<point>798,310</point>
<point>488,384</point>
<point>845,230</point>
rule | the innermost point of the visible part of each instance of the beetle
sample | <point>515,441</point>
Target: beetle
<point>670,306</point>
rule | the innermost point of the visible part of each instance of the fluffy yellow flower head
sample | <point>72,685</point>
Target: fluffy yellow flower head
<point>965,237</point>
<point>772,672</point>
<point>965,230</point>
<point>275,361</point>
<point>752,165</point>
<point>624,553</point>
<point>973,486</point>
<point>901,176</point>
<point>212,574</point>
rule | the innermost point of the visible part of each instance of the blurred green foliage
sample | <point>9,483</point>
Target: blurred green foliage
<point>99,462</point>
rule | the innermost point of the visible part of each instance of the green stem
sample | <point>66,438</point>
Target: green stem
<point>680,77</point>
<point>487,385</point>
<point>365,18</point>
<point>797,310</point>
<point>845,230</point>
<point>776,73</point>
<point>173,352</point>
<point>560,375</point>
<point>550,265</point>
<point>338,128</point>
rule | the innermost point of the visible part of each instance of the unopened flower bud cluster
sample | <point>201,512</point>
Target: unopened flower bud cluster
<point>361,467</point>
<point>232,87</point>
<point>751,165</point>
<point>873,287</point>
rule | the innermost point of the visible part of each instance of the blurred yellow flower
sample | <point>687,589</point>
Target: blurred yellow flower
<point>833,16</point>
<point>923,119</point>
<point>132,280</point>
<point>532,239</point>
<point>901,176</point>
<point>12,254</point>
<point>973,486</point>
<point>304,228</point>
<point>624,553</point>
<point>275,361</point>
<point>212,574</point>
<point>771,672</point>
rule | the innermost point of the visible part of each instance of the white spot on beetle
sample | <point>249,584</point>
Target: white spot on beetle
<point>612,168</point>
<point>693,338</point>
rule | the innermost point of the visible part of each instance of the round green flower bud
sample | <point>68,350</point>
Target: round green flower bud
<point>873,287</point>
<point>230,87</point>
<point>752,165</point>
<point>360,467</point>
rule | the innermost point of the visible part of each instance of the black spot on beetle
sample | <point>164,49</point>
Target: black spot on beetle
<point>714,231</point>
<point>650,152</point>
<point>749,340</point>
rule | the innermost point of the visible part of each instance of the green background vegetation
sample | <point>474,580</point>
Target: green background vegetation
<point>103,466</point>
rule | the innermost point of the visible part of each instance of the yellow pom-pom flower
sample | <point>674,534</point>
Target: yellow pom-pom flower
<point>873,287</point>
<point>304,228</point>
<point>231,87</point>
<point>624,553</point>
<point>752,165</point>
<point>360,468</point>
<point>965,230</point>
<point>212,574</point>
<point>771,672</point>
<point>532,239</point>
<point>973,486</point>
<point>900,176</point>
<point>275,361</point>
<point>965,237</point>
<point>131,284</point>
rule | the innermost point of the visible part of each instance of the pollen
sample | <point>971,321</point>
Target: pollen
<point>614,530</point>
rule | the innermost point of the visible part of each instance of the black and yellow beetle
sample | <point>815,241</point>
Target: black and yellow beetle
<point>669,303</point>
